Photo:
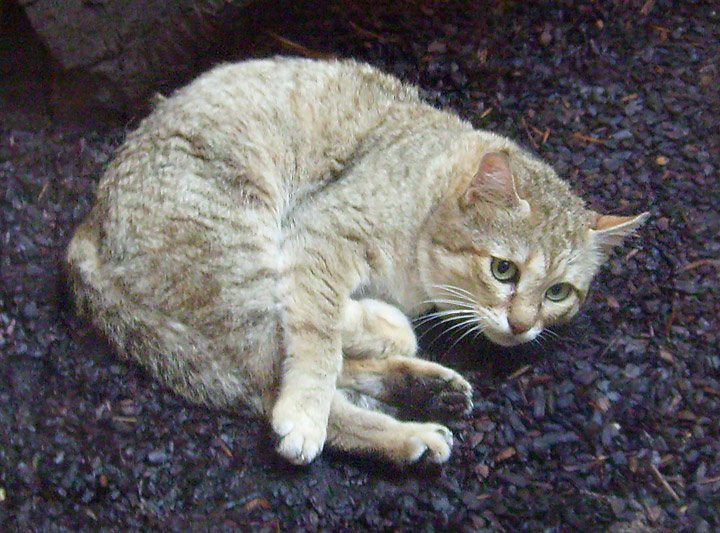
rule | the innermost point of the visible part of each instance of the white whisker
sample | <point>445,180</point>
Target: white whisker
<point>467,318</point>
<point>468,322</point>
<point>477,330</point>
<point>456,290</point>
<point>447,312</point>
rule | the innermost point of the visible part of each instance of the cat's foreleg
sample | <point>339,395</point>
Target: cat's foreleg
<point>414,387</point>
<point>314,288</point>
<point>371,328</point>
<point>356,429</point>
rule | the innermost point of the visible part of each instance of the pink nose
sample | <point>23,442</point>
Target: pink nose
<point>518,328</point>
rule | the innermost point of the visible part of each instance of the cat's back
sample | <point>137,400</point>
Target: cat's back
<point>297,118</point>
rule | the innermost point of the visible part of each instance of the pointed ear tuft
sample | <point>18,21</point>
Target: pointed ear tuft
<point>494,183</point>
<point>608,230</point>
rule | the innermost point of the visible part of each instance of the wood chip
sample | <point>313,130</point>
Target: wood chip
<point>257,503</point>
<point>666,355</point>
<point>506,454</point>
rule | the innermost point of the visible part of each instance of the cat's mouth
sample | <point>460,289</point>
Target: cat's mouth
<point>508,339</point>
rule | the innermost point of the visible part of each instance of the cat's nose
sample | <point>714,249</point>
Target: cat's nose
<point>518,328</point>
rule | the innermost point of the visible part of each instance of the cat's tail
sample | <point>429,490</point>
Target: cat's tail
<point>173,352</point>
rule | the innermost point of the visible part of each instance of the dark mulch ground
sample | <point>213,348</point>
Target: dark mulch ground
<point>612,426</point>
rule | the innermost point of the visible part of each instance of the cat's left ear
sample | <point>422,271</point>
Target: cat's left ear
<point>494,184</point>
<point>608,231</point>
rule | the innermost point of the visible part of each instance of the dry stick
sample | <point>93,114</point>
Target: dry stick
<point>519,372</point>
<point>709,480</point>
<point>611,344</point>
<point>299,48</point>
<point>224,447</point>
<point>664,483</point>
<point>700,263</point>
<point>367,33</point>
<point>589,139</point>
<point>671,318</point>
<point>43,191</point>
<point>546,135</point>
<point>486,112</point>
<point>527,131</point>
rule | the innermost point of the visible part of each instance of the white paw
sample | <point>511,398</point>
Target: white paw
<point>390,325</point>
<point>430,440</point>
<point>301,438</point>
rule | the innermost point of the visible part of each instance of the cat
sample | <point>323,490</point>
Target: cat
<point>263,236</point>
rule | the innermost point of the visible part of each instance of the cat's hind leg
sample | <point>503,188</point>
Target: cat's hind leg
<point>413,387</point>
<point>371,328</point>
<point>359,430</point>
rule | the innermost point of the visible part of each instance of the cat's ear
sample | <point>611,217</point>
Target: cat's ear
<point>493,183</point>
<point>608,230</point>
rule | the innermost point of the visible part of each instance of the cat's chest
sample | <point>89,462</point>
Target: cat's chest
<point>400,287</point>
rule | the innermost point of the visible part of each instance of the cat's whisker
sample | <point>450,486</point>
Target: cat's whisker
<point>449,312</point>
<point>444,315</point>
<point>477,329</point>
<point>549,333</point>
<point>470,322</point>
<point>468,318</point>
<point>467,322</point>
<point>457,292</point>
<point>454,289</point>
<point>455,304</point>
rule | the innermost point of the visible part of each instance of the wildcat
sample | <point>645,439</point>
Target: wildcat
<point>264,234</point>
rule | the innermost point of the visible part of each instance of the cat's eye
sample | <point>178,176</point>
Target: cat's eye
<point>559,292</point>
<point>504,270</point>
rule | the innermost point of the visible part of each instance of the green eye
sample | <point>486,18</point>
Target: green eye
<point>504,270</point>
<point>558,292</point>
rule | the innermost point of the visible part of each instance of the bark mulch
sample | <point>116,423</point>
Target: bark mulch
<point>611,424</point>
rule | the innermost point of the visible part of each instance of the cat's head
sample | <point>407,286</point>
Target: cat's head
<point>516,251</point>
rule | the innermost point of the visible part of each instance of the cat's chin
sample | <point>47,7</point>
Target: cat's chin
<point>505,340</point>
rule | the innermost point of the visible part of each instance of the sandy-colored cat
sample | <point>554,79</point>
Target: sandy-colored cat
<point>262,236</point>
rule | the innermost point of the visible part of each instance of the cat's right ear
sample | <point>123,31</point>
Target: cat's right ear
<point>494,184</point>
<point>608,231</point>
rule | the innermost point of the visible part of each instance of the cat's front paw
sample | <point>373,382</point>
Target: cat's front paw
<point>301,438</point>
<point>427,390</point>
<point>372,328</point>
<point>430,441</point>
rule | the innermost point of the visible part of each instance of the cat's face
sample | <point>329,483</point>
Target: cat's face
<point>513,267</point>
<point>510,292</point>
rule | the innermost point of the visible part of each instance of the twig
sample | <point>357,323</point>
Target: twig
<point>224,447</point>
<point>372,34</point>
<point>527,130</point>
<point>611,344</point>
<point>709,480</point>
<point>664,483</point>
<point>43,191</point>
<point>589,139</point>
<point>700,263</point>
<point>307,52</point>
<point>125,419</point>
<point>486,112</point>
<point>671,318</point>
<point>519,372</point>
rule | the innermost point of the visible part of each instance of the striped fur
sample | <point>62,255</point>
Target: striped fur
<point>263,235</point>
